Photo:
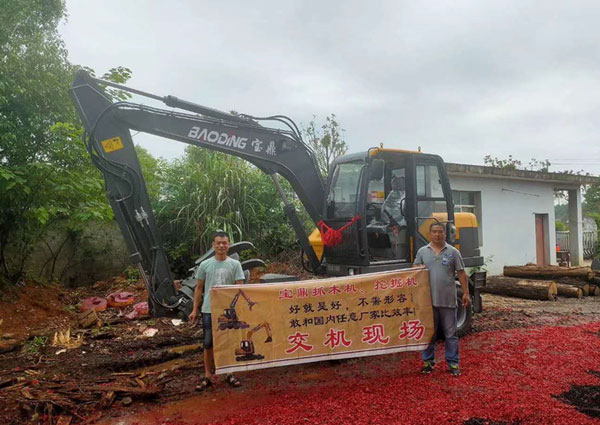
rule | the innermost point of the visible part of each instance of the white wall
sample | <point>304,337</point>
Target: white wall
<point>508,209</point>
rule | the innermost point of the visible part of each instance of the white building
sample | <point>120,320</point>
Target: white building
<point>515,211</point>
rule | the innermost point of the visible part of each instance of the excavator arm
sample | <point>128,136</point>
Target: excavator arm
<point>108,125</point>
<point>237,297</point>
<point>258,327</point>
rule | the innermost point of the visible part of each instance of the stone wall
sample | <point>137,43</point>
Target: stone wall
<point>97,253</point>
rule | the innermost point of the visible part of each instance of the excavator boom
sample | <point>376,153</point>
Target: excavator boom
<point>108,126</point>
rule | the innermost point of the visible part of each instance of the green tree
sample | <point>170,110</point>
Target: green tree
<point>47,182</point>
<point>592,199</point>
<point>560,226</point>
<point>153,170</point>
<point>33,77</point>
<point>326,141</point>
<point>591,203</point>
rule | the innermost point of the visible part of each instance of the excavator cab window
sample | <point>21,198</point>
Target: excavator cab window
<point>386,210</point>
<point>432,204</point>
<point>230,313</point>
<point>344,195</point>
<point>247,346</point>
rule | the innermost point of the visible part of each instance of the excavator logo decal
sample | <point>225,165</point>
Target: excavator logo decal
<point>257,145</point>
<point>270,150</point>
<point>204,135</point>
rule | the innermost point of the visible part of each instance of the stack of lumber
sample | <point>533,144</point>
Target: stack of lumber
<point>595,286</point>
<point>549,272</point>
<point>581,284</point>
<point>544,283</point>
<point>521,288</point>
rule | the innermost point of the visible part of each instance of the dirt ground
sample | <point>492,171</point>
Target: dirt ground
<point>152,379</point>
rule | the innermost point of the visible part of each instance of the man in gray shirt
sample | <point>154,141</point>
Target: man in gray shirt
<point>443,261</point>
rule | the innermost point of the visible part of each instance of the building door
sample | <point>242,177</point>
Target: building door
<point>540,240</point>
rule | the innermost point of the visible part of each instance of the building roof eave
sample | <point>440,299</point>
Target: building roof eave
<point>468,170</point>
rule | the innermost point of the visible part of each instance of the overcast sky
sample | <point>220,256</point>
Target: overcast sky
<point>462,79</point>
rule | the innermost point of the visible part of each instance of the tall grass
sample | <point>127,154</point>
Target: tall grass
<point>206,191</point>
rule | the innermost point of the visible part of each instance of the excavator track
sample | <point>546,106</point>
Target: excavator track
<point>249,357</point>
<point>236,325</point>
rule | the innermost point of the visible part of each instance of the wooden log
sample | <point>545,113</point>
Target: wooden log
<point>521,288</point>
<point>585,287</point>
<point>8,382</point>
<point>125,390</point>
<point>107,399</point>
<point>568,291</point>
<point>64,420</point>
<point>548,272</point>
<point>594,291</point>
<point>88,319</point>
<point>9,345</point>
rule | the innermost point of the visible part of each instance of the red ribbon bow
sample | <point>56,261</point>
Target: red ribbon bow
<point>331,236</point>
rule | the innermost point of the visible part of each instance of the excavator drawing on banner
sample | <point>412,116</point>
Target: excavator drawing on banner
<point>229,319</point>
<point>246,350</point>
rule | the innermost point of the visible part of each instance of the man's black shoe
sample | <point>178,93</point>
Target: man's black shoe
<point>427,368</point>
<point>454,370</point>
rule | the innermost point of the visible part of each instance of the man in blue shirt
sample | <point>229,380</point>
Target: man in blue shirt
<point>216,271</point>
<point>443,261</point>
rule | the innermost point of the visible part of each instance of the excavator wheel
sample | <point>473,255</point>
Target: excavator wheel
<point>222,326</point>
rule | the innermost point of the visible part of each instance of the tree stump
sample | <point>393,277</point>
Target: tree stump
<point>521,288</point>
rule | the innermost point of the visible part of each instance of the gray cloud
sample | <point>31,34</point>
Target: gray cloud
<point>462,79</point>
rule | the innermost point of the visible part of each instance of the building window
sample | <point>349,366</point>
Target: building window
<point>469,202</point>
<point>464,201</point>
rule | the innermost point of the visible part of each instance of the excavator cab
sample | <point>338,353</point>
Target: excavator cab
<point>391,197</point>
<point>230,314</point>
<point>247,347</point>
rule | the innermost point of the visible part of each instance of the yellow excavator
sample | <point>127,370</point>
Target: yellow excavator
<point>246,350</point>
<point>365,223</point>
<point>229,319</point>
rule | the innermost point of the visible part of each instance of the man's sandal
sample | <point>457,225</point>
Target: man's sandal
<point>204,384</point>
<point>232,381</point>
